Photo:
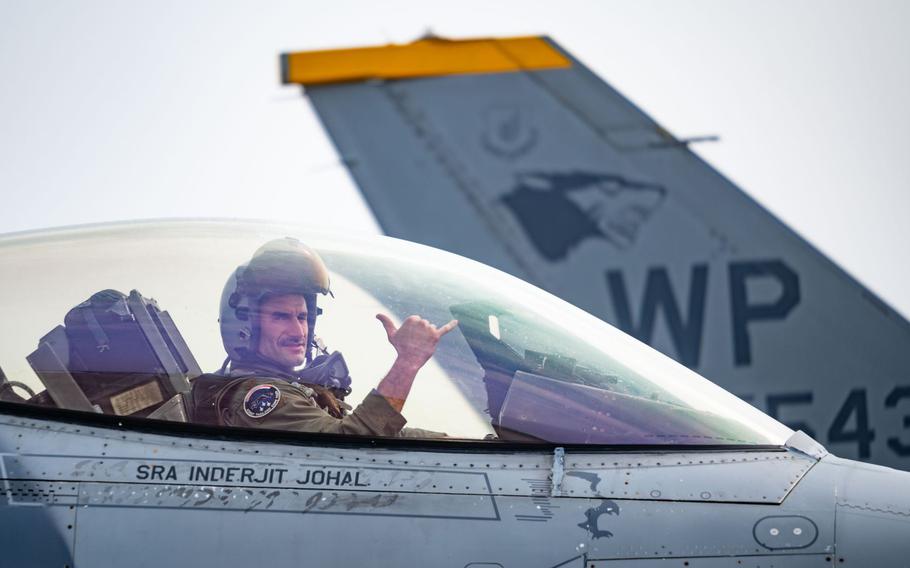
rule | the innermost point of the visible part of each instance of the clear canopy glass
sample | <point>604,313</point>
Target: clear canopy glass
<point>521,364</point>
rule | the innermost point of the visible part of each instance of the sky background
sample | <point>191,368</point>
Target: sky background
<point>127,110</point>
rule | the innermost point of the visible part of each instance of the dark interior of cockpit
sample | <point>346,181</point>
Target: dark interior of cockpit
<point>121,354</point>
<point>115,354</point>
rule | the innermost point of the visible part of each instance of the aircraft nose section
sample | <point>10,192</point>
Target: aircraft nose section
<point>873,515</point>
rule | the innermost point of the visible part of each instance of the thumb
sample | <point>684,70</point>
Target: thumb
<point>386,322</point>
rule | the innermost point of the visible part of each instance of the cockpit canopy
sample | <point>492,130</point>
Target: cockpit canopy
<point>521,365</point>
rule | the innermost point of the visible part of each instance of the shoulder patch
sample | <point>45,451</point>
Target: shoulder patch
<point>260,400</point>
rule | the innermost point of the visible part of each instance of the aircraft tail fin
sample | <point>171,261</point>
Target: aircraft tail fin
<point>512,152</point>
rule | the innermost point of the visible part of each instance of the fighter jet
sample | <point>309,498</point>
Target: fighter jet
<point>568,443</point>
<point>547,172</point>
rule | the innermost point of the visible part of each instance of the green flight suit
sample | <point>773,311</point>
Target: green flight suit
<point>296,409</point>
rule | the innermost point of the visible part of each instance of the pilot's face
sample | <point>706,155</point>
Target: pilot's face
<point>283,330</point>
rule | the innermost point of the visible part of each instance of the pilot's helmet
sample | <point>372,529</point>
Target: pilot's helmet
<point>279,267</point>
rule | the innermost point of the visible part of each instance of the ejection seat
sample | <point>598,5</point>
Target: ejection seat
<point>117,354</point>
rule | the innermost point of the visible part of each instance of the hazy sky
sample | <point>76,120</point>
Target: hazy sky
<point>119,110</point>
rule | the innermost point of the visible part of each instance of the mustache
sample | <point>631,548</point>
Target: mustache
<point>292,342</point>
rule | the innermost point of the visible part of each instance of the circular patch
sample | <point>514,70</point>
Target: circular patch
<point>260,400</point>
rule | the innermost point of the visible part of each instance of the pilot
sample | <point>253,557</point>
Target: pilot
<point>268,316</point>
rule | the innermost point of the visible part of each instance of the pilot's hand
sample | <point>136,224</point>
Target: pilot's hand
<point>416,339</point>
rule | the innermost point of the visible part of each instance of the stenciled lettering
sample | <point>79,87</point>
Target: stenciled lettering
<point>156,472</point>
<point>686,327</point>
<point>744,312</point>
<point>894,442</point>
<point>855,410</point>
<point>686,332</point>
<point>855,422</point>
<point>211,474</point>
<point>236,474</point>
<point>335,478</point>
